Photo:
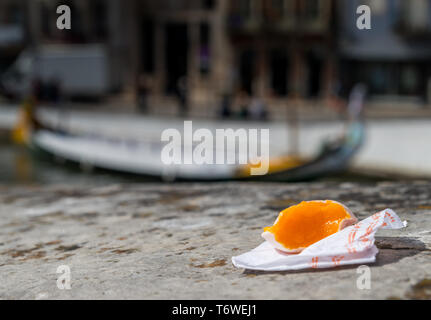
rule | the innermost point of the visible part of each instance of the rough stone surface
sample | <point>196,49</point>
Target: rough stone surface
<point>175,241</point>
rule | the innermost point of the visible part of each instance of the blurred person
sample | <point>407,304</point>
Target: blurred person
<point>182,95</point>
<point>335,99</point>
<point>226,106</point>
<point>258,110</point>
<point>54,91</point>
<point>142,93</point>
<point>27,121</point>
<point>36,89</point>
<point>356,100</point>
<point>243,100</point>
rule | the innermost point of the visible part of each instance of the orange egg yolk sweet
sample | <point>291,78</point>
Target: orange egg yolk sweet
<point>307,222</point>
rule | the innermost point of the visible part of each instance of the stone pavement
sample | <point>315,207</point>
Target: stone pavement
<point>175,241</point>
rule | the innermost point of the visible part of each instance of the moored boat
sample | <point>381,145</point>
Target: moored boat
<point>143,157</point>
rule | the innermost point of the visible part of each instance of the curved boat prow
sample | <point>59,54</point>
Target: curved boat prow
<point>355,106</point>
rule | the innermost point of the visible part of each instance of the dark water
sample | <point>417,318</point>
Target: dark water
<point>19,165</point>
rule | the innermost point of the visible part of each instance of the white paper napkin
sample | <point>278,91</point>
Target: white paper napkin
<point>352,245</point>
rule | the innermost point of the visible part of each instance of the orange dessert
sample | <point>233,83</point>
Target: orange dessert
<point>303,224</point>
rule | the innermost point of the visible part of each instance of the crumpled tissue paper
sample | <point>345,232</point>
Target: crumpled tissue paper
<point>352,245</point>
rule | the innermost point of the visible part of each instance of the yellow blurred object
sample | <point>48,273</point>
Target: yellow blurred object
<point>21,131</point>
<point>23,166</point>
<point>277,164</point>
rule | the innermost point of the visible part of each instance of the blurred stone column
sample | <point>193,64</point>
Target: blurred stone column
<point>221,55</point>
<point>193,78</point>
<point>261,72</point>
<point>132,42</point>
<point>133,46</point>
<point>115,43</point>
<point>329,76</point>
<point>296,92</point>
<point>296,77</point>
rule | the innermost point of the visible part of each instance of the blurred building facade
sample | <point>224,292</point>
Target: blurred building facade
<point>272,49</point>
<point>12,31</point>
<point>184,41</point>
<point>269,49</point>
<point>394,57</point>
<point>109,22</point>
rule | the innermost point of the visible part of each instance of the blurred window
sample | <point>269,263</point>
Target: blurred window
<point>391,78</point>
<point>409,80</point>
<point>242,8</point>
<point>314,71</point>
<point>46,19</point>
<point>279,65</point>
<point>379,78</point>
<point>415,15</point>
<point>204,48</point>
<point>173,5</point>
<point>192,4</point>
<point>176,55</point>
<point>247,61</point>
<point>13,14</point>
<point>208,4</point>
<point>274,10</point>
<point>99,12</point>
<point>148,45</point>
<point>310,10</point>
<point>240,13</point>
